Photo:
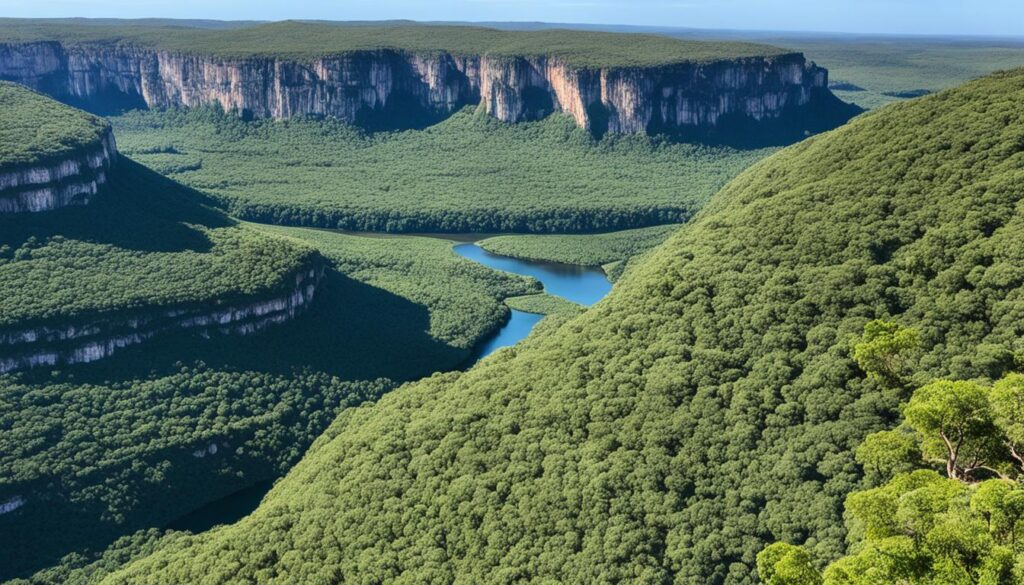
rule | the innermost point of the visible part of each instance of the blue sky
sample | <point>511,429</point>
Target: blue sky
<point>969,17</point>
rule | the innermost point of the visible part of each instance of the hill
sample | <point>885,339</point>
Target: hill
<point>710,404</point>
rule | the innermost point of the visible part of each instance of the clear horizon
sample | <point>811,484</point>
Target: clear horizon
<point>888,17</point>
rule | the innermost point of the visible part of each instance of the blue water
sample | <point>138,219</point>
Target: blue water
<point>517,329</point>
<point>579,284</point>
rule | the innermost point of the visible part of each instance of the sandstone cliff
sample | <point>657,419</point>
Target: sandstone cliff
<point>352,86</point>
<point>93,339</point>
<point>71,180</point>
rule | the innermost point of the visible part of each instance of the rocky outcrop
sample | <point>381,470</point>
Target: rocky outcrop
<point>353,86</point>
<point>71,180</point>
<point>94,339</point>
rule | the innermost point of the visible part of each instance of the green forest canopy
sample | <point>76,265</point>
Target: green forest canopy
<point>469,173</point>
<point>310,40</point>
<point>709,405</point>
<point>35,128</point>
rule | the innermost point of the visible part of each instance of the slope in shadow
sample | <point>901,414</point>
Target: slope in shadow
<point>138,210</point>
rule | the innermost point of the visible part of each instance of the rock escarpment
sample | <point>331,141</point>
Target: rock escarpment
<point>360,84</point>
<point>72,179</point>
<point>92,339</point>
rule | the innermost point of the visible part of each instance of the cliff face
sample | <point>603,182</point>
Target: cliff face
<point>626,100</point>
<point>95,339</point>
<point>50,185</point>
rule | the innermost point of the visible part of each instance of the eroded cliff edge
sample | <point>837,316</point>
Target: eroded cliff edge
<point>100,336</point>
<point>72,179</point>
<point>362,86</point>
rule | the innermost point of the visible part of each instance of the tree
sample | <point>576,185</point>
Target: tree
<point>954,422</point>
<point>786,564</point>
<point>886,351</point>
<point>886,453</point>
<point>1007,400</point>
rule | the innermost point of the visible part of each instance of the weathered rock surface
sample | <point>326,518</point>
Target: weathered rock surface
<point>72,180</point>
<point>102,336</point>
<point>348,87</point>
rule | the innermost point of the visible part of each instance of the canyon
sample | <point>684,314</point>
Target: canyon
<point>390,83</point>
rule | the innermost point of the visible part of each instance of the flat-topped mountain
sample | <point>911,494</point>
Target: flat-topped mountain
<point>51,156</point>
<point>386,74</point>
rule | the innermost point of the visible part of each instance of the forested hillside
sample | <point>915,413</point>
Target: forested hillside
<point>710,405</point>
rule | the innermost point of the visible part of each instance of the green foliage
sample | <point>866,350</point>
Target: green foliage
<point>922,528</point>
<point>954,422</point>
<point>79,569</point>
<point>470,173</point>
<point>887,453</point>
<point>309,40</point>
<point>35,128</point>
<point>885,350</point>
<point>101,450</point>
<point>543,304</point>
<point>709,404</point>
<point>612,250</point>
<point>785,564</point>
<point>465,298</point>
<point>1007,403</point>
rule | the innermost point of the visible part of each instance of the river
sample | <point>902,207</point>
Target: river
<point>579,284</point>
<point>583,285</point>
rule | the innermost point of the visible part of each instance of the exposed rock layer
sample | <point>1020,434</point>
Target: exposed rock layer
<point>72,180</point>
<point>354,86</point>
<point>98,338</point>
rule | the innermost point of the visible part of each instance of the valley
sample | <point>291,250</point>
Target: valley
<point>466,174</point>
<point>315,302</point>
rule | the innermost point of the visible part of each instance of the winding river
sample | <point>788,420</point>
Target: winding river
<point>579,284</point>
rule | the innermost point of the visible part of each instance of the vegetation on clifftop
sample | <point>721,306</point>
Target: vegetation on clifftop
<point>310,40</point>
<point>709,405</point>
<point>35,128</point>
<point>143,244</point>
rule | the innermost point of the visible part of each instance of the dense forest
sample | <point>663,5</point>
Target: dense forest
<point>468,173</point>
<point>309,40</point>
<point>129,427</point>
<point>34,128</point>
<point>712,404</point>
<point>945,503</point>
